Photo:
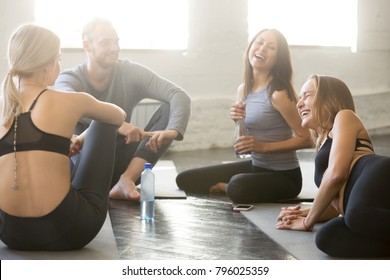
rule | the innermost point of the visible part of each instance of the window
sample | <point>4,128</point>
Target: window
<point>146,24</point>
<point>307,22</point>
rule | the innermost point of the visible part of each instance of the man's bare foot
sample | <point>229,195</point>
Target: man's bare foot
<point>218,188</point>
<point>125,189</point>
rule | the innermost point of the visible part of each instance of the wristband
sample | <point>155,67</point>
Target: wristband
<point>304,225</point>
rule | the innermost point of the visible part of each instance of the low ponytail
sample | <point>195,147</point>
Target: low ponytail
<point>10,99</point>
<point>30,48</point>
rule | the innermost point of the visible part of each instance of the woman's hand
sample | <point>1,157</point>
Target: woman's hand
<point>291,212</point>
<point>237,111</point>
<point>297,223</point>
<point>75,145</point>
<point>248,143</point>
<point>244,144</point>
<point>293,218</point>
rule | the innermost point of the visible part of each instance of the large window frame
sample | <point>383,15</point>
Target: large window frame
<point>146,24</point>
<point>331,23</point>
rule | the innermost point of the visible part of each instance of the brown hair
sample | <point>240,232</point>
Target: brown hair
<point>281,72</point>
<point>332,95</point>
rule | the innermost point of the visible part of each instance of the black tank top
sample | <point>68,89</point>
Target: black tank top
<point>29,137</point>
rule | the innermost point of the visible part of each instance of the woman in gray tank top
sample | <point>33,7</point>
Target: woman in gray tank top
<point>266,102</point>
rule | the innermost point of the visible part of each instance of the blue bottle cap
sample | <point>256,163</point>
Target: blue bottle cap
<point>148,165</point>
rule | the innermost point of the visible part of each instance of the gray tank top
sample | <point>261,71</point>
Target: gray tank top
<point>267,125</point>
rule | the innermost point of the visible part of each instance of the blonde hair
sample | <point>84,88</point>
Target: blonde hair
<point>30,48</point>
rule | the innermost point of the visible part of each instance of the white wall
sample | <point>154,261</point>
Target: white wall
<point>211,68</point>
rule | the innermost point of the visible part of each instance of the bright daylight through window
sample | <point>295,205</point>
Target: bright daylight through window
<point>146,24</point>
<point>307,22</point>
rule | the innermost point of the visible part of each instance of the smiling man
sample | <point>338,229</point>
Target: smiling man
<point>125,83</point>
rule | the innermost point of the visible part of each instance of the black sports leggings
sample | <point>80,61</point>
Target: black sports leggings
<point>80,216</point>
<point>364,230</point>
<point>126,152</point>
<point>246,183</point>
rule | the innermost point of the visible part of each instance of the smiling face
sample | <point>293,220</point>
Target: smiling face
<point>306,104</point>
<point>263,52</point>
<point>103,46</point>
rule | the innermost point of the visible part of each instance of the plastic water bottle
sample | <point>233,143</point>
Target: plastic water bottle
<point>241,131</point>
<point>147,193</point>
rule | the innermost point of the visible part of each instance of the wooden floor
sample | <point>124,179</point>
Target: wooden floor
<point>199,227</point>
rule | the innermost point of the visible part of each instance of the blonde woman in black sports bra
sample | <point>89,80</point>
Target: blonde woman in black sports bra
<point>354,183</point>
<point>41,206</point>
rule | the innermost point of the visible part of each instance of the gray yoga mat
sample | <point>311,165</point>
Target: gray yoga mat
<point>165,181</point>
<point>103,247</point>
<point>298,243</point>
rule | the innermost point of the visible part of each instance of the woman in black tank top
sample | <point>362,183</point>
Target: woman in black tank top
<point>354,195</point>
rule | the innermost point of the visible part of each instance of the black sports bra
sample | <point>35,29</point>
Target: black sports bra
<point>322,158</point>
<point>29,137</point>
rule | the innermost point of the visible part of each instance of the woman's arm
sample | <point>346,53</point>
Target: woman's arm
<point>294,212</point>
<point>345,130</point>
<point>344,133</point>
<point>92,108</point>
<point>302,137</point>
<point>101,111</point>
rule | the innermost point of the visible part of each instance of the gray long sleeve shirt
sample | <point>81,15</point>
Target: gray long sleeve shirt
<point>131,83</point>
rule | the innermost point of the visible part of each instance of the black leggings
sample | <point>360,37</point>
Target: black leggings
<point>126,152</point>
<point>246,183</point>
<point>81,214</point>
<point>364,230</point>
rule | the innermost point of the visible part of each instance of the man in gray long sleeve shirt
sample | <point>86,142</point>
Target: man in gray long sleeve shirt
<point>125,84</point>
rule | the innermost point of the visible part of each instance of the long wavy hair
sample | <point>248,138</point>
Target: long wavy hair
<point>281,72</point>
<point>332,95</point>
<point>30,48</point>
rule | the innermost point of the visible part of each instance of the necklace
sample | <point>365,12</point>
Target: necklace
<point>15,184</point>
